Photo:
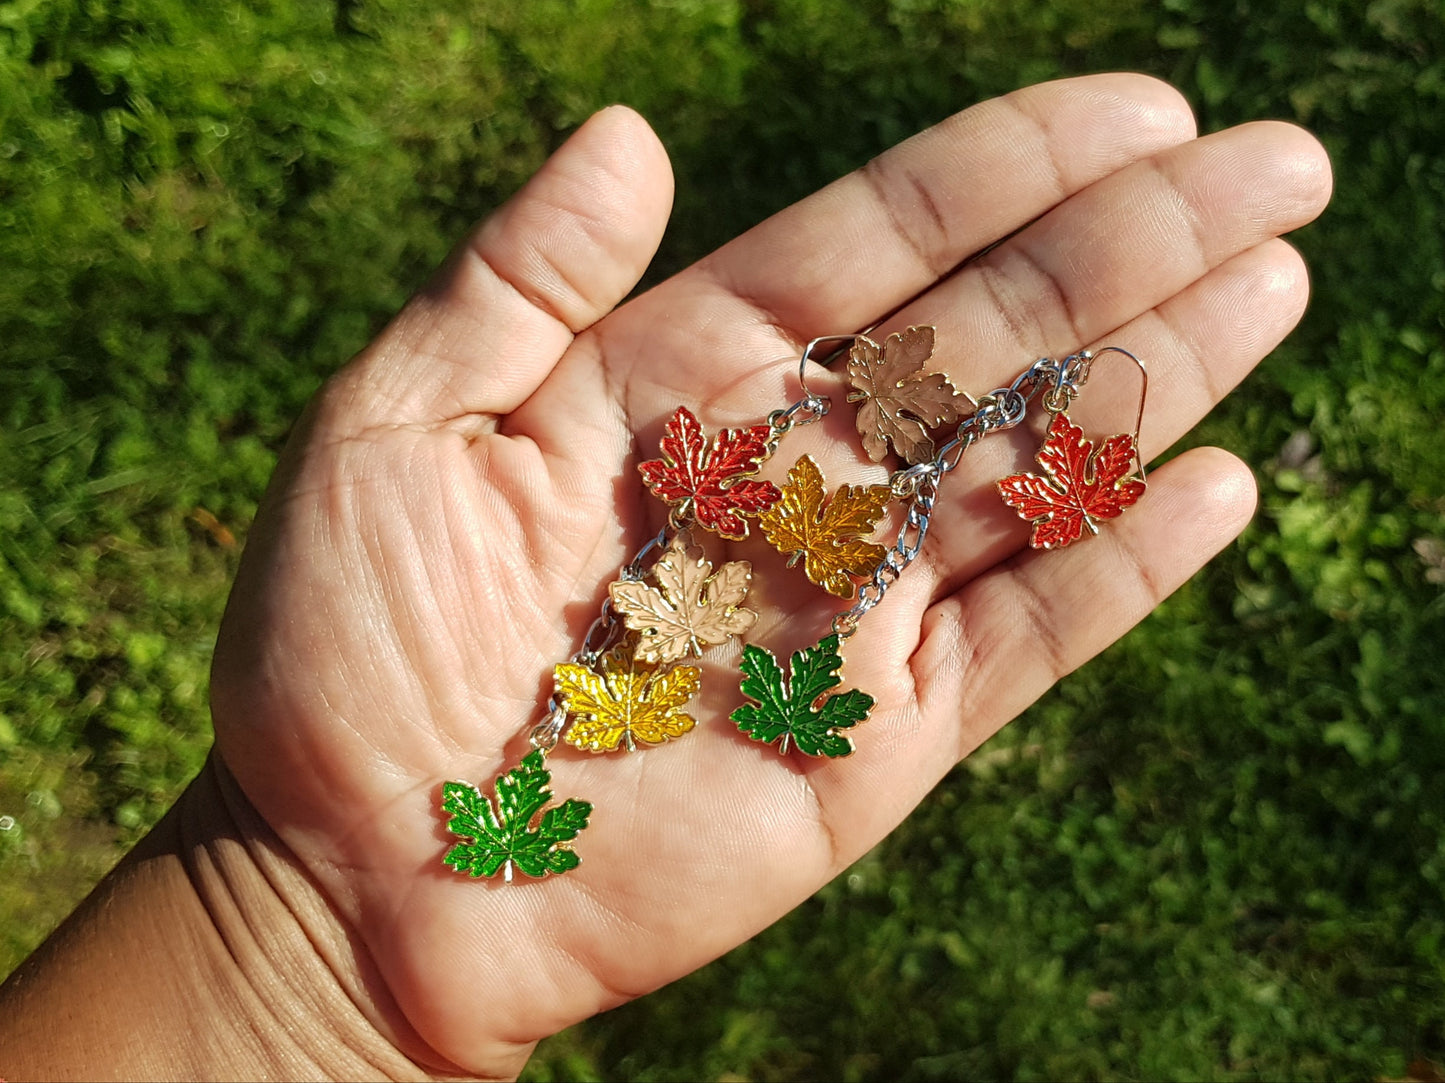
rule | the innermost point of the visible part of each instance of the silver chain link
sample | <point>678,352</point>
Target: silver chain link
<point>603,632</point>
<point>805,411</point>
<point>998,411</point>
<point>601,636</point>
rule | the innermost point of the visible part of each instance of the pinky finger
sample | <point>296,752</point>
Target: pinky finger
<point>1004,638</point>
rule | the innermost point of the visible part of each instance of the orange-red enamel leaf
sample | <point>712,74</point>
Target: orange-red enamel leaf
<point>1085,485</point>
<point>709,476</point>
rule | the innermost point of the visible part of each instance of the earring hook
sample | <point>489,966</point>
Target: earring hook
<point>1143,395</point>
<point>808,353</point>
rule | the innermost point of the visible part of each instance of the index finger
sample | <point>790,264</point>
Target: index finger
<point>858,249</point>
<point>847,256</point>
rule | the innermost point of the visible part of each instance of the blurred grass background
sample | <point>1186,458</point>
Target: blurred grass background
<point>1215,853</point>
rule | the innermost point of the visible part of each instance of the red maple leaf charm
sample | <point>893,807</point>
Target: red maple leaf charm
<point>1085,485</point>
<point>706,479</point>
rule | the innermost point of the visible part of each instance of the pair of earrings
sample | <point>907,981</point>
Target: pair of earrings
<point>630,682</point>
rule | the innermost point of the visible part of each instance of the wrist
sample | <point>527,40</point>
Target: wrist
<point>207,953</point>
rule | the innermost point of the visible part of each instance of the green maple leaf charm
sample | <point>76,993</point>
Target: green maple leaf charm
<point>790,707</point>
<point>504,838</point>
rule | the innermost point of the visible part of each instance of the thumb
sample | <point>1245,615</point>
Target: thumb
<point>557,257</point>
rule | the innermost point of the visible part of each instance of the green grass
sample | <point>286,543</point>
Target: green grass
<point>1214,853</point>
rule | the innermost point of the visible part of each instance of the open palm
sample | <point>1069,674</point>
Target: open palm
<point>448,516</point>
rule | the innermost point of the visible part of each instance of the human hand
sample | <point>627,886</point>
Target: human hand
<point>448,516</point>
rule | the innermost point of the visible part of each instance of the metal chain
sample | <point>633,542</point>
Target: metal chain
<point>999,410</point>
<point>805,411</point>
<point>601,635</point>
<point>603,632</point>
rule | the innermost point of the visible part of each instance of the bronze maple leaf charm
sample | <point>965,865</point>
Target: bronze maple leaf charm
<point>900,398</point>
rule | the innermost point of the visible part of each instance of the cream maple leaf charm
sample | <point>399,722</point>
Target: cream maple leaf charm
<point>900,399</point>
<point>827,534</point>
<point>691,607</point>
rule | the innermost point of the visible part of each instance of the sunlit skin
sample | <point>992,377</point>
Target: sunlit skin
<point>449,513</point>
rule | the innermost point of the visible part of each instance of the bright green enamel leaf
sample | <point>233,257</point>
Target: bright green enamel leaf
<point>788,707</point>
<point>504,838</point>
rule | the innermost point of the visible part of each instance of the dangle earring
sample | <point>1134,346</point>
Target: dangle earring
<point>900,400</point>
<point>626,687</point>
<point>709,485</point>
<point>628,684</point>
<point>1084,483</point>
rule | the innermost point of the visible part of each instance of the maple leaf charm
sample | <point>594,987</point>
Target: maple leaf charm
<point>827,534</point>
<point>792,708</point>
<point>706,480</point>
<point>694,608</point>
<point>504,838</point>
<point>901,400</point>
<point>626,702</point>
<point>1084,486</point>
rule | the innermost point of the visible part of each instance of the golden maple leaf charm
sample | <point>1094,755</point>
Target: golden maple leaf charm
<point>625,702</point>
<point>827,534</point>
<point>900,399</point>
<point>694,607</point>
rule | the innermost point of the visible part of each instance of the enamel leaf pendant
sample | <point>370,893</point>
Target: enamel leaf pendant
<point>828,535</point>
<point>516,833</point>
<point>795,707</point>
<point>706,481</point>
<point>691,607</point>
<point>625,702</point>
<point>1083,485</point>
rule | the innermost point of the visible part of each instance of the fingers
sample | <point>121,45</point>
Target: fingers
<point>864,245</point>
<point>1128,243</point>
<point>1197,345</point>
<point>991,648</point>
<point>1111,246</point>
<point>580,234</point>
<point>1008,635</point>
<point>1174,258</point>
<point>551,262</point>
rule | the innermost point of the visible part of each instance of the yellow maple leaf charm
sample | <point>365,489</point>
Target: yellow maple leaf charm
<point>626,702</point>
<point>826,534</point>
<point>694,608</point>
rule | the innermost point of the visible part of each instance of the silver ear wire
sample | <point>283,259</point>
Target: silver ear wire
<point>1143,395</point>
<point>807,355</point>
